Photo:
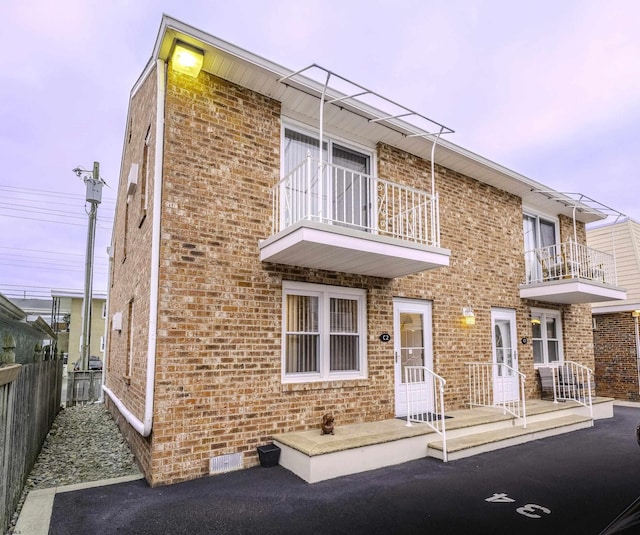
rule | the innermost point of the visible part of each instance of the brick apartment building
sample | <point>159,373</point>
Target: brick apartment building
<point>254,289</point>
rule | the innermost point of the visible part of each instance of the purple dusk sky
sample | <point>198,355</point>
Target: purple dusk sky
<point>548,89</point>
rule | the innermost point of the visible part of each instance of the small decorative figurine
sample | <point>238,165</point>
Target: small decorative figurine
<point>327,425</point>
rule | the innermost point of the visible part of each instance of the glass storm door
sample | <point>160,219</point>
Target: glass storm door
<point>412,346</point>
<point>505,356</point>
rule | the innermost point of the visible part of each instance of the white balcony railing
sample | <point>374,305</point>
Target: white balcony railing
<point>570,260</point>
<point>335,195</point>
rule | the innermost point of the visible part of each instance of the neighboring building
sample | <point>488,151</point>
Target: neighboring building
<point>252,289</point>
<point>73,320</point>
<point>615,323</point>
<point>26,329</point>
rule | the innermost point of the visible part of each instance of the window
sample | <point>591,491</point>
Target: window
<point>546,327</point>
<point>538,232</point>
<point>144,180</point>
<point>129,366</point>
<point>323,332</point>
<point>337,195</point>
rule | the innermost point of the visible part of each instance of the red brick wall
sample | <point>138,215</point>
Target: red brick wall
<point>130,270</point>
<point>616,357</point>
<point>218,382</point>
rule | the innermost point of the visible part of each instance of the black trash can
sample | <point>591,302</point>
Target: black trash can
<point>269,455</point>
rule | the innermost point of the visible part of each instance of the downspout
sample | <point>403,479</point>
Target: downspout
<point>321,135</point>
<point>435,233</point>
<point>144,426</point>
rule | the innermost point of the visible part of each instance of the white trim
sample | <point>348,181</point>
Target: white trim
<point>407,305</point>
<point>627,307</point>
<point>144,426</point>
<point>532,212</point>
<point>329,137</point>
<point>557,314</point>
<point>325,292</point>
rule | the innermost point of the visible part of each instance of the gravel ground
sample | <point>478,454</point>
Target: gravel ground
<point>83,445</point>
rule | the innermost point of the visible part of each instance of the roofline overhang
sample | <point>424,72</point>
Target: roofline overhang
<point>531,191</point>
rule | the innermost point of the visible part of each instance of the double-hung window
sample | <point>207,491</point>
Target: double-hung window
<point>336,191</point>
<point>324,334</point>
<point>546,327</point>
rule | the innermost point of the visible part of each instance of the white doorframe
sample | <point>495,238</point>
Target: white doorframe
<point>504,345</point>
<point>412,344</point>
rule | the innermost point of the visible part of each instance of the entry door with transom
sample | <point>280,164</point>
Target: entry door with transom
<point>505,355</point>
<point>412,346</point>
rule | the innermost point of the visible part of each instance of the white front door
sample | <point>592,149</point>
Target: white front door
<point>505,380</point>
<point>411,344</point>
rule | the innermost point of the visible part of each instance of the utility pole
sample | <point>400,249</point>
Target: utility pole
<point>94,185</point>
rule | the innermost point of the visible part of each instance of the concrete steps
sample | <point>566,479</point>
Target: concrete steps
<point>482,442</point>
<point>367,446</point>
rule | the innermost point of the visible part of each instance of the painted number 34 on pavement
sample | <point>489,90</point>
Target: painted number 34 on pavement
<point>530,510</point>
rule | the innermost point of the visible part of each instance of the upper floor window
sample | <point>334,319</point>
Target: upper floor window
<point>539,233</point>
<point>336,192</point>
<point>324,334</point>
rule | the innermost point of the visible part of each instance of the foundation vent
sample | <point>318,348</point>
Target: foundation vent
<point>225,463</point>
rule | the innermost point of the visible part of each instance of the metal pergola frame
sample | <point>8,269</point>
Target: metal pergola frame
<point>353,102</point>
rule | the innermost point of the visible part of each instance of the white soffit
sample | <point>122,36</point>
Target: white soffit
<point>301,100</point>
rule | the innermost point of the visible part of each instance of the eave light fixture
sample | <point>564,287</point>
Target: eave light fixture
<point>636,313</point>
<point>468,317</point>
<point>187,59</point>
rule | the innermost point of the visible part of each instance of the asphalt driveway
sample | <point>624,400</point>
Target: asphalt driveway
<point>576,483</point>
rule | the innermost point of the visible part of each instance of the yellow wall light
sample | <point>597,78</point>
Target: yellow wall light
<point>187,59</point>
<point>636,313</point>
<point>468,317</point>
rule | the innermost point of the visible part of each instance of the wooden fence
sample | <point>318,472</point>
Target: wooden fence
<point>28,406</point>
<point>83,387</point>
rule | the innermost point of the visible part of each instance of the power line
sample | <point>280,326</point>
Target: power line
<point>49,268</point>
<point>40,192</point>
<point>40,251</point>
<point>39,261</point>
<point>50,221</point>
<point>46,211</point>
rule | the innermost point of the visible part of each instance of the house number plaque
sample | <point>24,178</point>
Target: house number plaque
<point>385,337</point>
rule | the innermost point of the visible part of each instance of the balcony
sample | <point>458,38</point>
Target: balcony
<point>329,217</point>
<point>570,273</point>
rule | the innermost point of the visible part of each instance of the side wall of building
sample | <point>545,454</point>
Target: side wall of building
<point>130,263</point>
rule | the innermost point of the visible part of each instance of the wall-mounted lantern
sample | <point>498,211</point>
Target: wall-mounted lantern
<point>468,317</point>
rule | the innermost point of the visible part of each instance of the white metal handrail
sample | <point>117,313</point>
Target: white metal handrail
<point>336,195</point>
<point>573,381</point>
<point>489,386</point>
<point>570,260</point>
<point>425,400</point>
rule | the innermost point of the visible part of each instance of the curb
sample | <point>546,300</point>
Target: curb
<point>35,516</point>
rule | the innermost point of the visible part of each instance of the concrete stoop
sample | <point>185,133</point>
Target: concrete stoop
<point>476,443</point>
<point>367,446</point>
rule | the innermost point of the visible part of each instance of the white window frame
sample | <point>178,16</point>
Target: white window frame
<point>543,314</point>
<point>330,139</point>
<point>545,217</point>
<point>327,137</point>
<point>324,294</point>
